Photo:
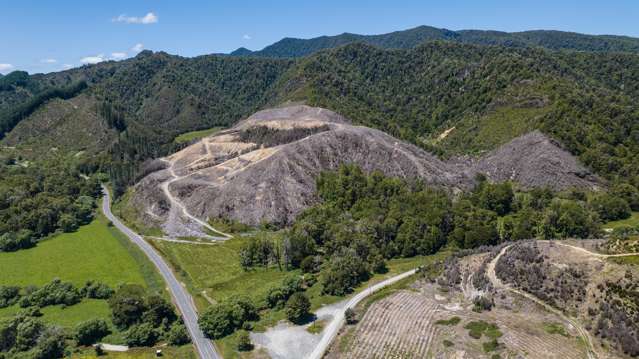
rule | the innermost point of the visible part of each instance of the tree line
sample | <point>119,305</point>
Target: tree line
<point>363,220</point>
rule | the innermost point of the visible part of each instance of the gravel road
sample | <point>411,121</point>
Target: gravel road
<point>181,297</point>
<point>330,332</point>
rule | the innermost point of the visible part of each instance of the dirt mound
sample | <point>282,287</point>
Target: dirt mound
<point>532,160</point>
<point>264,168</point>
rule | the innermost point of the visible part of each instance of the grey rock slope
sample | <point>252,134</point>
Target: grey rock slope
<point>264,168</point>
<point>534,160</point>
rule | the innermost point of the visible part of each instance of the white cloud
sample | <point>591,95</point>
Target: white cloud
<point>67,66</point>
<point>138,47</point>
<point>118,55</point>
<point>92,59</point>
<point>6,67</point>
<point>48,61</point>
<point>247,37</point>
<point>147,19</point>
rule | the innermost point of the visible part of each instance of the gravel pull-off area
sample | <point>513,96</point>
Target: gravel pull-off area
<point>288,341</point>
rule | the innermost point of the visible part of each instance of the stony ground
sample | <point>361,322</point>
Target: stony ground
<point>231,175</point>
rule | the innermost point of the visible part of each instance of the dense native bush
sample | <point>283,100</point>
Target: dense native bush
<point>568,218</point>
<point>343,272</point>
<point>610,207</point>
<point>277,296</point>
<point>298,307</point>
<point>141,335</point>
<point>362,220</point>
<point>53,293</point>
<point>91,331</point>
<point>97,290</point>
<point>146,316</point>
<point>223,319</point>
<point>24,336</point>
<point>627,192</point>
<point>177,335</point>
<point>47,196</point>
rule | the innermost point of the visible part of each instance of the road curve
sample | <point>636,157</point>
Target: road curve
<point>336,323</point>
<point>182,207</point>
<point>594,254</point>
<point>497,283</point>
<point>181,297</point>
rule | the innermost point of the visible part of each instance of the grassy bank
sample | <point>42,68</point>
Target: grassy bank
<point>96,251</point>
<point>195,135</point>
<point>633,221</point>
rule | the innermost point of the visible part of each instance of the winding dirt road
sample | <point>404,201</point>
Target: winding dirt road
<point>330,332</point>
<point>497,283</point>
<point>182,207</point>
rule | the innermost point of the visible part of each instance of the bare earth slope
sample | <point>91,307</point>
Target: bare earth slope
<point>534,160</point>
<point>264,168</point>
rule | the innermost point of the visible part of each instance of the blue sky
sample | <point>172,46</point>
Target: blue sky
<point>47,35</point>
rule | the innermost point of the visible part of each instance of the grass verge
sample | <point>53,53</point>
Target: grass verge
<point>196,135</point>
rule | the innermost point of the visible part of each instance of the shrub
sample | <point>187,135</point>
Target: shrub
<point>310,264</point>
<point>277,296</point>
<point>9,295</point>
<point>221,320</point>
<point>451,321</point>
<point>140,335</point>
<point>127,305</point>
<point>27,333</point>
<point>482,303</point>
<point>244,341</point>
<point>51,344</point>
<point>343,272</point>
<point>297,307</point>
<point>97,290</point>
<point>157,310</point>
<point>629,193</point>
<point>10,241</point>
<point>56,292</point>
<point>91,331</point>
<point>350,316</point>
<point>609,207</point>
<point>177,335</point>
<point>217,321</point>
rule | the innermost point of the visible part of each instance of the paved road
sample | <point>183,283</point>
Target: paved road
<point>181,298</point>
<point>497,283</point>
<point>333,328</point>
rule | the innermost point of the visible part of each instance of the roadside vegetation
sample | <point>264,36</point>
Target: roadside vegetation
<point>192,136</point>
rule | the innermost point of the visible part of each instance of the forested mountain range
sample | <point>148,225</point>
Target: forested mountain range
<point>554,40</point>
<point>445,96</point>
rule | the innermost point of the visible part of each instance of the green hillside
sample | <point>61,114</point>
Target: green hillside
<point>554,40</point>
<point>488,94</point>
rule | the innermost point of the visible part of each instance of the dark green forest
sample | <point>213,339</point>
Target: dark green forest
<point>554,40</point>
<point>364,220</point>
<point>40,198</point>
<point>583,99</point>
